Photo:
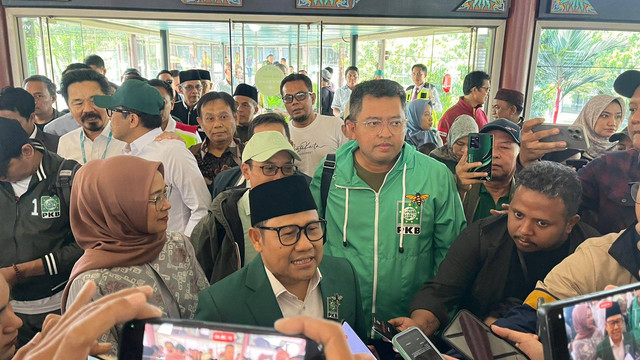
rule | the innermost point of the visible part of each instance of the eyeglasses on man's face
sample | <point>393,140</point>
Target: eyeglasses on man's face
<point>124,113</point>
<point>289,235</point>
<point>375,126</point>
<point>272,170</point>
<point>189,88</point>
<point>301,96</point>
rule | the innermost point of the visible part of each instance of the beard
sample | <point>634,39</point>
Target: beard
<point>300,119</point>
<point>92,126</point>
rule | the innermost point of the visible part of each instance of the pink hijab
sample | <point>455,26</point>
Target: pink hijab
<point>108,215</point>
<point>579,317</point>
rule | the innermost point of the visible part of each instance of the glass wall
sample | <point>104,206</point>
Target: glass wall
<point>575,65</point>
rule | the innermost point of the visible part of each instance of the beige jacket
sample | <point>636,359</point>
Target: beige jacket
<point>589,269</point>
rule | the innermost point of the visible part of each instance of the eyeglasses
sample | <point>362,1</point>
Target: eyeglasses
<point>272,170</point>
<point>375,126</point>
<point>488,88</point>
<point>124,113</point>
<point>189,88</point>
<point>288,99</point>
<point>635,186</point>
<point>164,195</point>
<point>289,235</point>
<point>168,81</point>
<point>615,323</point>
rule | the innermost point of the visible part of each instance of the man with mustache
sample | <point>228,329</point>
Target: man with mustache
<point>479,197</point>
<point>313,135</point>
<point>94,139</point>
<point>495,262</point>
<point>290,276</point>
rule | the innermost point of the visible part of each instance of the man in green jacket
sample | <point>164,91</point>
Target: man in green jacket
<point>290,276</point>
<point>392,211</point>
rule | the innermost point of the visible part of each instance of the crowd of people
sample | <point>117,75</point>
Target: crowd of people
<point>187,199</point>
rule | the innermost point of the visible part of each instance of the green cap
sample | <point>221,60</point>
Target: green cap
<point>133,94</point>
<point>263,145</point>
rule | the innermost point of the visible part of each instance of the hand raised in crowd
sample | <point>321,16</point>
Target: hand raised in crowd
<point>531,148</point>
<point>73,335</point>
<point>505,209</point>
<point>327,333</point>
<point>465,178</point>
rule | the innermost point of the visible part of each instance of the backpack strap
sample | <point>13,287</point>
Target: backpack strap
<point>328,168</point>
<point>64,179</point>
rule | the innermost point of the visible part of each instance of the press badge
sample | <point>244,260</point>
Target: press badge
<point>50,206</point>
<point>409,214</point>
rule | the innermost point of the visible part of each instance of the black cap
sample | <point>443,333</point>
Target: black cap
<point>627,83</point>
<point>204,75</point>
<point>12,139</point>
<point>289,195</point>
<point>613,310</point>
<point>620,135</point>
<point>246,90</point>
<point>131,71</point>
<point>505,125</point>
<point>189,75</point>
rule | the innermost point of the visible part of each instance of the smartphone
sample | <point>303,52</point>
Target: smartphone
<point>480,149</point>
<point>413,344</point>
<point>355,344</point>
<point>573,135</point>
<point>474,340</point>
<point>384,329</point>
<point>557,328</point>
<point>154,338</point>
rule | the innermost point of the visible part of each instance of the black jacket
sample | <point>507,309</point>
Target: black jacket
<point>473,274</point>
<point>189,117</point>
<point>50,141</point>
<point>36,226</point>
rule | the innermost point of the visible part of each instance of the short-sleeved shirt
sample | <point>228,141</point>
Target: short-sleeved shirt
<point>486,204</point>
<point>340,98</point>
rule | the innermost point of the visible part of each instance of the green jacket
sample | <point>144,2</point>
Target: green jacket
<point>246,297</point>
<point>391,267</point>
<point>630,340</point>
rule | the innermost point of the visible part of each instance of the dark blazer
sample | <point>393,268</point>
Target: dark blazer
<point>473,274</point>
<point>246,297</point>
<point>50,141</point>
<point>630,339</point>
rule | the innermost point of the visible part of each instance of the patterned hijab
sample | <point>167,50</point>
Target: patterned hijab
<point>108,215</point>
<point>588,117</point>
<point>580,322</point>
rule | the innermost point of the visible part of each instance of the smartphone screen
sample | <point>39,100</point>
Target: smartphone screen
<point>156,339</point>
<point>384,329</point>
<point>416,346</point>
<point>579,328</point>
<point>355,344</point>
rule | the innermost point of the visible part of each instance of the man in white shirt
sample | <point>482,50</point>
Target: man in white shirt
<point>17,103</point>
<point>342,95</point>
<point>93,140</point>
<point>135,112</point>
<point>290,276</point>
<point>313,135</point>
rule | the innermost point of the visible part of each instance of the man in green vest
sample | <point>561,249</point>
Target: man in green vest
<point>291,276</point>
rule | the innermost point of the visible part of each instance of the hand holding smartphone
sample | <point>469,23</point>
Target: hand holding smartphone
<point>384,329</point>
<point>413,344</point>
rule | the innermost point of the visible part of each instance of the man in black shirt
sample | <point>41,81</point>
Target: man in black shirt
<point>495,262</point>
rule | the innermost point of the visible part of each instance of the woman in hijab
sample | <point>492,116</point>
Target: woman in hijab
<point>420,124</point>
<point>601,117</point>
<point>119,213</point>
<point>457,140</point>
<point>587,335</point>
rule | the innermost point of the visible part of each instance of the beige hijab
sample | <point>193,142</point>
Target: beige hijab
<point>108,215</point>
<point>588,117</point>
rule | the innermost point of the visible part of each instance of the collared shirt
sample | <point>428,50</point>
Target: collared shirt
<point>290,305</point>
<point>189,196</point>
<point>618,351</point>
<point>244,212</point>
<point>606,197</point>
<point>460,108</point>
<point>62,125</point>
<point>223,86</point>
<point>102,147</point>
<point>211,165</point>
<point>437,105</point>
<point>340,99</point>
<point>486,203</point>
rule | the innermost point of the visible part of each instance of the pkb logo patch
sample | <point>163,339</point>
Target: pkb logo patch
<point>409,215</point>
<point>50,206</point>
